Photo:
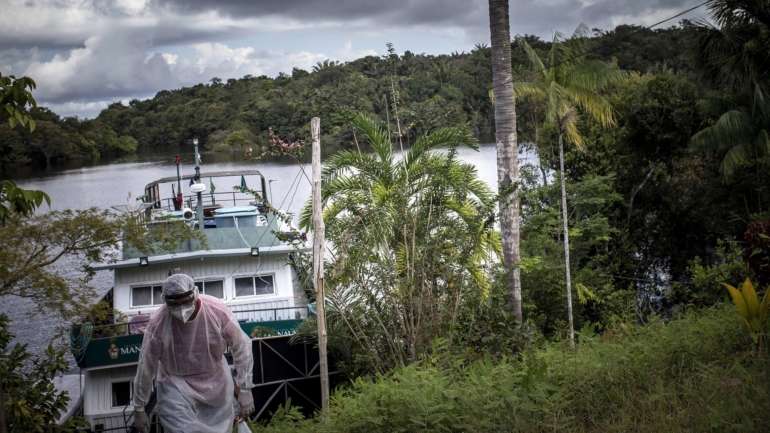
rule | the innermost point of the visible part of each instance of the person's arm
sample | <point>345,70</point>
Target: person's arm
<point>240,348</point>
<point>146,370</point>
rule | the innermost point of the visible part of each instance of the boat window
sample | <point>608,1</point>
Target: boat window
<point>247,221</point>
<point>225,222</point>
<point>256,285</point>
<point>263,284</point>
<point>157,295</point>
<point>121,393</point>
<point>244,286</point>
<point>213,288</point>
<point>146,295</point>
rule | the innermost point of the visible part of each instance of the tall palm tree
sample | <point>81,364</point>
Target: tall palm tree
<point>507,148</point>
<point>566,86</point>
<point>410,235</point>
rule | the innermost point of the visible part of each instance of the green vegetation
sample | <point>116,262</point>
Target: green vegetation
<point>235,114</point>
<point>30,403</point>
<point>663,196</point>
<point>691,374</point>
<point>413,239</point>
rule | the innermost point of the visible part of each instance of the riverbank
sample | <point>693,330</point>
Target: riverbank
<point>694,374</point>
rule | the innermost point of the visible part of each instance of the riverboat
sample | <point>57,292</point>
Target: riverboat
<point>245,254</point>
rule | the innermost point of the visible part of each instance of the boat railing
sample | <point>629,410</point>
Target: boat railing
<point>230,198</point>
<point>247,313</point>
<point>243,313</point>
<point>118,424</point>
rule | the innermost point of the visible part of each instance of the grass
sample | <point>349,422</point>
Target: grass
<point>694,374</point>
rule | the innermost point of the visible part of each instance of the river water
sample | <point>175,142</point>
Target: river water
<point>103,186</point>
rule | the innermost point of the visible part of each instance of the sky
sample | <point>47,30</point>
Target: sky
<point>86,54</point>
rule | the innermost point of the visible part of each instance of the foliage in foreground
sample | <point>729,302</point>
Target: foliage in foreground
<point>692,374</point>
<point>28,399</point>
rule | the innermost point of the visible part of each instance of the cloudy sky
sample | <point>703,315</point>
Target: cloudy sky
<point>85,54</point>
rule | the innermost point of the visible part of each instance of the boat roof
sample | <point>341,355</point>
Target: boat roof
<point>177,257</point>
<point>229,173</point>
<point>228,211</point>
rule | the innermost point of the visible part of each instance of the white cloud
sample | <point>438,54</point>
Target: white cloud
<point>170,58</point>
<point>347,53</point>
<point>79,109</point>
<point>220,60</point>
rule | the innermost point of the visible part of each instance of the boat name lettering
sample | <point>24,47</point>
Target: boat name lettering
<point>130,350</point>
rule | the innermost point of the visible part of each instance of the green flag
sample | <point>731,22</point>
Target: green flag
<point>244,187</point>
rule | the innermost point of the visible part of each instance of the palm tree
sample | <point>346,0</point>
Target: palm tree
<point>410,235</point>
<point>568,84</point>
<point>507,149</point>
<point>735,54</point>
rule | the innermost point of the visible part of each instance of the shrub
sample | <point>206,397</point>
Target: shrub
<point>691,374</point>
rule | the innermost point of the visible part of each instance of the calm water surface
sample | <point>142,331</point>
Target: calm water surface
<point>120,183</point>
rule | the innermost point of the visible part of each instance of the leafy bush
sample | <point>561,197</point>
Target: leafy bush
<point>28,399</point>
<point>671,377</point>
<point>704,288</point>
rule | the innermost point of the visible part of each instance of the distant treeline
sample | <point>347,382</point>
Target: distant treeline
<point>234,115</point>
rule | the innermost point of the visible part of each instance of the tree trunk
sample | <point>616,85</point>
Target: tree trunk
<point>565,224</point>
<point>507,151</point>
<point>3,426</point>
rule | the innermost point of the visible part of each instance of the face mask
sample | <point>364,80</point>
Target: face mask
<point>182,313</point>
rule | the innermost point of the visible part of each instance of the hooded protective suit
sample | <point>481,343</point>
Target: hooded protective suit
<point>186,359</point>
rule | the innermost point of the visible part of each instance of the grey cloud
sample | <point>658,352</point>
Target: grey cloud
<point>387,12</point>
<point>606,9</point>
<point>114,65</point>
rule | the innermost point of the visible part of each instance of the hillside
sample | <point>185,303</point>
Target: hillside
<point>233,115</point>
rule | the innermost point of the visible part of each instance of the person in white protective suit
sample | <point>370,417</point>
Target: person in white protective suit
<point>183,351</point>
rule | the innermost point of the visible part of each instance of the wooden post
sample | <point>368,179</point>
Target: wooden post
<point>318,261</point>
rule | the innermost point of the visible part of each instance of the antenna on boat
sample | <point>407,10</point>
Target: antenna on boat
<point>198,187</point>
<point>179,197</point>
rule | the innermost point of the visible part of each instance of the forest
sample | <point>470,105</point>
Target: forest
<point>236,114</point>
<point>643,230</point>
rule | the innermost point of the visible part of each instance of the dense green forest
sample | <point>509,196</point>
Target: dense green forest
<point>233,115</point>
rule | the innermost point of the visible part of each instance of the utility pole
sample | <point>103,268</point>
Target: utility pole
<point>318,261</point>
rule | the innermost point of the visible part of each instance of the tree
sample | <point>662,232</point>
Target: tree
<point>507,149</point>
<point>29,401</point>
<point>735,55</point>
<point>568,84</point>
<point>16,100</point>
<point>412,237</point>
<point>25,270</point>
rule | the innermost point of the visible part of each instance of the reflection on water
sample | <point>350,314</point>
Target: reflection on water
<point>106,185</point>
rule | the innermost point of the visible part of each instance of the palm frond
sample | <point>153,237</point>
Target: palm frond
<point>346,161</point>
<point>595,105</point>
<point>375,134</point>
<point>594,76</point>
<point>444,137</point>
<point>572,134</point>
<point>529,90</point>
<point>733,127</point>
<point>534,59</point>
<point>735,158</point>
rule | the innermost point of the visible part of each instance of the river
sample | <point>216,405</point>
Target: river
<point>105,185</point>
